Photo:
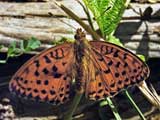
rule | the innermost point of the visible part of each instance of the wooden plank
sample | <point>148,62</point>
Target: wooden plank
<point>25,20</point>
<point>43,8</point>
<point>134,11</point>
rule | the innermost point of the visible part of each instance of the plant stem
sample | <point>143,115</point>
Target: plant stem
<point>3,61</point>
<point>134,105</point>
<point>86,10</point>
<point>77,19</point>
<point>69,113</point>
<point>127,3</point>
<point>109,102</point>
<point>113,108</point>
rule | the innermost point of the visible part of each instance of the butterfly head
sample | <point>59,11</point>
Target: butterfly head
<point>80,35</point>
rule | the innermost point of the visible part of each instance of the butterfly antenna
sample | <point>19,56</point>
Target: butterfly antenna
<point>78,20</point>
<point>52,15</point>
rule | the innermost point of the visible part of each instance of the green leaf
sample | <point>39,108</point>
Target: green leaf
<point>2,61</point>
<point>109,102</point>
<point>59,41</point>
<point>13,50</point>
<point>62,40</point>
<point>1,46</point>
<point>22,45</point>
<point>30,44</point>
<point>141,57</point>
<point>103,103</point>
<point>113,39</point>
<point>107,13</point>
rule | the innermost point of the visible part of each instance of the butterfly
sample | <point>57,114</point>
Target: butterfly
<point>99,69</point>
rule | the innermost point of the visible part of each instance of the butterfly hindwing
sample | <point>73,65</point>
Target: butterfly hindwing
<point>47,76</point>
<point>117,68</point>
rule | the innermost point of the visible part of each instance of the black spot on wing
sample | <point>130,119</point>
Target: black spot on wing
<point>54,68</point>
<point>101,59</point>
<point>35,90</point>
<point>36,62</point>
<point>97,97</point>
<point>132,77</point>
<point>64,99</point>
<point>61,95</point>
<point>57,75</point>
<point>52,92</point>
<point>46,82</point>
<point>62,88</point>
<point>57,54</point>
<point>135,70</point>
<point>25,81</point>
<point>21,79</point>
<point>46,58</point>
<point>99,84</point>
<point>120,82</point>
<point>28,89</point>
<point>43,91</point>
<point>107,71</point>
<point>112,85</point>
<point>117,64</point>
<point>67,86</point>
<point>16,78</point>
<point>45,71</point>
<point>36,73</point>
<point>38,82</point>
<point>106,50</point>
<point>116,53</point>
<point>65,78</point>
<point>100,91</point>
<point>110,63</point>
<point>67,92</point>
<point>123,72</point>
<point>125,56</point>
<point>105,95</point>
<point>125,64</point>
<point>116,75</point>
<point>126,80</point>
<point>64,63</point>
<point>26,70</point>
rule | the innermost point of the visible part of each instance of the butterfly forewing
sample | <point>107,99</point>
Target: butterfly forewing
<point>117,68</point>
<point>47,76</point>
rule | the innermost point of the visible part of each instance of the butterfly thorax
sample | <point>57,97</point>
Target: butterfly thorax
<point>81,47</point>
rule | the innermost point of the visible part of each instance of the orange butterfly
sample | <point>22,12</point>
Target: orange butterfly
<point>100,69</point>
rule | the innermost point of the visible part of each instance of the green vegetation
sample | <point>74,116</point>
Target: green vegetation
<point>25,46</point>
